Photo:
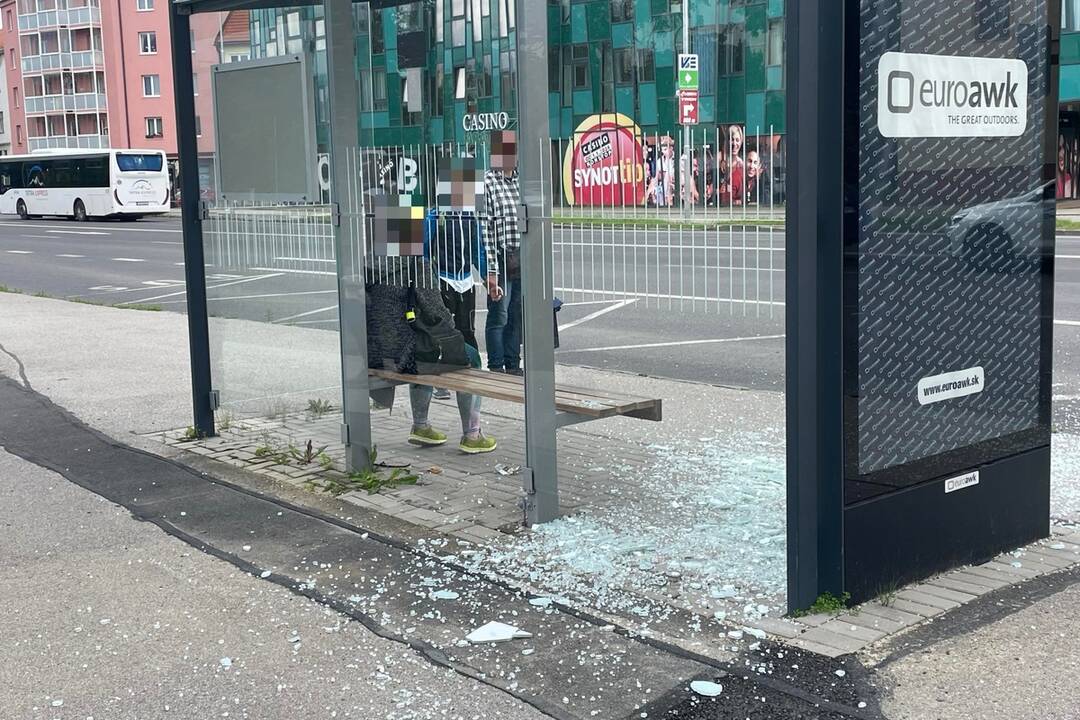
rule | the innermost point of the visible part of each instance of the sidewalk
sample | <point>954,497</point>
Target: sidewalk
<point>673,529</point>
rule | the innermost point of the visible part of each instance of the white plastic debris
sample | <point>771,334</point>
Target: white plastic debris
<point>507,470</point>
<point>226,662</point>
<point>756,632</point>
<point>706,688</point>
<point>841,673</point>
<point>58,703</point>
<point>735,634</point>
<point>541,602</point>
<point>528,651</point>
<point>495,632</point>
<point>444,595</point>
<point>1057,546</point>
<point>265,574</point>
<point>247,548</point>
<point>862,704</point>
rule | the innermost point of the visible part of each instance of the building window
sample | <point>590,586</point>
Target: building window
<point>194,83</point>
<point>198,126</point>
<point>410,18</point>
<point>15,95</point>
<point>459,83</point>
<point>1070,15</point>
<point>151,85</point>
<point>483,83</point>
<point>646,65</point>
<point>776,42</point>
<point>579,61</point>
<point>7,20</point>
<point>378,88</point>
<point>148,43</point>
<point>436,100</point>
<point>144,5</point>
<point>2,122</point>
<point>730,51</point>
<point>378,37</point>
<point>622,10</point>
<point>11,53</point>
<point>18,134</point>
<point>155,129</point>
<point>624,66</point>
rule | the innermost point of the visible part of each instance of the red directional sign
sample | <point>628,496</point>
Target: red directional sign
<point>688,107</point>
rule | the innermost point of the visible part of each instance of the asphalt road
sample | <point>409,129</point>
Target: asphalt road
<point>715,311</point>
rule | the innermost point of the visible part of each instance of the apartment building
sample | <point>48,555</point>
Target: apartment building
<point>98,73</point>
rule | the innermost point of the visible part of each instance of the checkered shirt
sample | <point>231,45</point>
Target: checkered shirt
<point>502,197</point>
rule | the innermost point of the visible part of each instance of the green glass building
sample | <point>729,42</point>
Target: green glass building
<point>424,66</point>
<point>1068,165</point>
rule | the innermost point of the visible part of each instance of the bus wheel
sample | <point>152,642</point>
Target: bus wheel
<point>80,211</point>
<point>21,209</point>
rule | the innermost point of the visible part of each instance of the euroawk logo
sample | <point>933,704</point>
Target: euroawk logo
<point>951,96</point>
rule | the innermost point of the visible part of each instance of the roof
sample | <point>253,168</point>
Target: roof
<point>235,27</point>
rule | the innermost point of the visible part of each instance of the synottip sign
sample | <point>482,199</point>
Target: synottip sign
<point>938,96</point>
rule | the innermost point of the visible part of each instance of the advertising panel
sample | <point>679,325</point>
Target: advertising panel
<point>946,302</point>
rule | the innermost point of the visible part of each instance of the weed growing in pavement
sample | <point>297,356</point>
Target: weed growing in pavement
<point>371,479</point>
<point>41,293</point>
<point>277,410</point>
<point>826,604</point>
<point>326,462</point>
<point>6,289</point>
<point>191,434</point>
<point>318,407</point>
<point>225,420</point>
<point>887,596</point>
<point>308,455</point>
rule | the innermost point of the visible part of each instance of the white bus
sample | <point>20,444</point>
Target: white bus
<point>82,184</point>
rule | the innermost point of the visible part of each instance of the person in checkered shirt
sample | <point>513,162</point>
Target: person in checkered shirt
<point>503,249</point>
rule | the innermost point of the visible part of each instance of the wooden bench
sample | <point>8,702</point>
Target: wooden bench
<point>573,404</point>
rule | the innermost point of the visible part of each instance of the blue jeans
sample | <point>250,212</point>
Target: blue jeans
<point>503,331</point>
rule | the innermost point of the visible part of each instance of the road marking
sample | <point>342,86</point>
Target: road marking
<point>109,288</point>
<point>307,314</point>
<point>128,260</point>
<point>78,232</point>
<point>1070,323</point>
<point>66,255</point>
<point>302,259</point>
<point>598,313</point>
<point>98,227</point>
<point>21,252</point>
<point>646,296</point>
<point>39,237</point>
<point>675,344</point>
<point>294,272</point>
<point>165,242</point>
<point>162,283</point>
<point>316,322</point>
<point>209,287</point>
<point>1067,257</point>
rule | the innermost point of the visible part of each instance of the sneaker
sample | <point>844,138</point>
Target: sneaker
<point>426,437</point>
<point>441,394</point>
<point>516,372</point>
<point>477,445</point>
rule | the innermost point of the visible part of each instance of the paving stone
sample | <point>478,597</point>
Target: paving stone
<point>993,574</point>
<point>954,582</point>
<point>871,622</point>
<point>892,613</point>
<point>929,588</point>
<point>840,644</point>
<point>852,630</point>
<point>814,620</point>
<point>1021,573</point>
<point>916,608</point>
<point>818,648</point>
<point>979,580</point>
<point>1048,558</point>
<point>926,599</point>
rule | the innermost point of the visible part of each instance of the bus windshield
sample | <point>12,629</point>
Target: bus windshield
<point>128,162</point>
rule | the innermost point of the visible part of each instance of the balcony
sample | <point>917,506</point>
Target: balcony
<point>64,103</point>
<point>62,61</point>
<point>69,141</point>
<point>72,17</point>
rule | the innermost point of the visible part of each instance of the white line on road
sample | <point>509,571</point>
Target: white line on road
<point>128,260</point>
<point>302,259</point>
<point>1070,323</point>
<point>598,313</point>
<point>281,271</point>
<point>38,237</point>
<point>255,297</point>
<point>79,232</point>
<point>316,322</point>
<point>67,255</point>
<point>21,252</point>
<point>165,242</point>
<point>125,229</point>
<point>307,314</point>
<point>674,344</point>
<point>211,287</point>
<point>659,296</point>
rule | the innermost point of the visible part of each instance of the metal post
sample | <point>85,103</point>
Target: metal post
<point>685,172</point>
<point>814,272</point>
<point>541,454</point>
<point>194,264</point>
<point>346,209</point>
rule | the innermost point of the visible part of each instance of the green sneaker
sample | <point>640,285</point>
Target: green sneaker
<point>477,445</point>
<point>426,437</point>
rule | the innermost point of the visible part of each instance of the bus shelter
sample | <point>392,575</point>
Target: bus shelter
<point>899,464</point>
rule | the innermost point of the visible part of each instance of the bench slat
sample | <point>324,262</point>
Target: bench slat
<point>510,388</point>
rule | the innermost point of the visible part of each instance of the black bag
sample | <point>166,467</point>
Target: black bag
<point>439,345</point>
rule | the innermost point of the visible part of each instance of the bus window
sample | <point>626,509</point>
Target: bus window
<point>35,174</point>
<point>93,172</point>
<point>129,162</point>
<point>5,177</point>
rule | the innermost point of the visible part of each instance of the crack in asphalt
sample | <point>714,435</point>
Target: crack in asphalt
<point>19,363</point>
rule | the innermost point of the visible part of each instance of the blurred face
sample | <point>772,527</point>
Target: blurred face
<point>753,163</point>
<point>504,151</point>
<point>736,140</point>
<point>460,187</point>
<point>1061,158</point>
<point>667,146</point>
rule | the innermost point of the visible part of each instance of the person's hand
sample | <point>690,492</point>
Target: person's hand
<point>494,291</point>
